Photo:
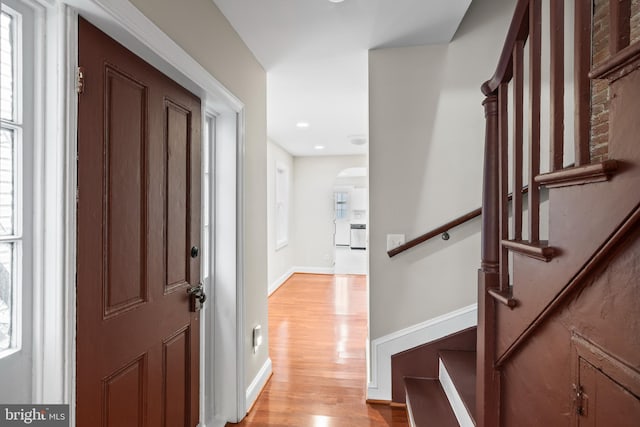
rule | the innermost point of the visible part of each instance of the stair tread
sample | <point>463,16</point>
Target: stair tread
<point>461,367</point>
<point>541,244</point>
<point>428,403</point>
<point>578,175</point>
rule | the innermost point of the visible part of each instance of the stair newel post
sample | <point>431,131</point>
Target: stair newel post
<point>488,381</point>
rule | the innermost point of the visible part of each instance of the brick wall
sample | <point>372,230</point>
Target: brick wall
<point>635,21</point>
<point>600,88</point>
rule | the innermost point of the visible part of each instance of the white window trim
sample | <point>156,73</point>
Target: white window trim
<point>207,347</point>
<point>54,369</point>
<point>31,189</point>
<point>282,195</point>
<point>16,124</point>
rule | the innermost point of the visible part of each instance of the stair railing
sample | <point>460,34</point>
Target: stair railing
<point>526,31</point>
<point>442,230</point>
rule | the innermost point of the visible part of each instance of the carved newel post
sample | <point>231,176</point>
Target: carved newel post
<point>488,380</point>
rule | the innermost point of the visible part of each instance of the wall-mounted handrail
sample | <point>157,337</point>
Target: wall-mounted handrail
<point>435,232</point>
<point>441,229</point>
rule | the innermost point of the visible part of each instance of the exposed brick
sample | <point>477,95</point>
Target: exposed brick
<point>600,151</point>
<point>597,120</point>
<point>600,57</point>
<point>600,95</point>
<point>635,21</point>
<point>599,88</point>
<point>601,130</point>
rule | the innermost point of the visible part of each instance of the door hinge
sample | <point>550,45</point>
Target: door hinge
<point>80,80</point>
<point>580,400</point>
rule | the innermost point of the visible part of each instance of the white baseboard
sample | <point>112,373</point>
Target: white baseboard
<point>379,387</point>
<point>462,415</point>
<point>258,383</point>
<point>280,280</point>
<point>213,423</point>
<point>293,270</point>
<point>313,270</point>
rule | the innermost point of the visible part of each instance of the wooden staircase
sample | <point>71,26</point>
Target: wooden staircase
<point>547,326</point>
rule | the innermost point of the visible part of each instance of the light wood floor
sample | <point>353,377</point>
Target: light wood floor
<point>317,332</point>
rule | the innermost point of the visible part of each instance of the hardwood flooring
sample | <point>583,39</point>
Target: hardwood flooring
<point>317,333</point>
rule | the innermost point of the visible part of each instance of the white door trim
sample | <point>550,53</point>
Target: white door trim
<point>122,21</point>
<point>54,290</point>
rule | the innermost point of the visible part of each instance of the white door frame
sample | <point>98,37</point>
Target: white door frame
<point>55,378</point>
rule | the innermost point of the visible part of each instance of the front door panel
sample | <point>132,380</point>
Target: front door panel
<point>138,217</point>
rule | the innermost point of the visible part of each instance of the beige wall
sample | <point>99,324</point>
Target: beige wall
<point>311,218</point>
<point>201,29</point>
<point>425,158</point>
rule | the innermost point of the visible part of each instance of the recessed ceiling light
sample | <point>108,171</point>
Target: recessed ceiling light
<point>302,124</point>
<point>319,147</point>
<point>336,1</point>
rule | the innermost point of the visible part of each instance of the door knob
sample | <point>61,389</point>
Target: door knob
<point>197,297</point>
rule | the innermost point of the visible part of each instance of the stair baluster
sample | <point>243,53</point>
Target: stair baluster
<point>494,284</point>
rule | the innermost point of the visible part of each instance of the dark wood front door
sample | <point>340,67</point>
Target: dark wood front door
<point>138,219</point>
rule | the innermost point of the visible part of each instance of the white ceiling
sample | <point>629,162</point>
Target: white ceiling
<point>315,56</point>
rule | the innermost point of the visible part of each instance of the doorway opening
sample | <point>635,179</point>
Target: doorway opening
<point>351,214</point>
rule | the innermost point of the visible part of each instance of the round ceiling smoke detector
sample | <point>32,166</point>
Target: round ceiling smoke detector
<point>358,140</point>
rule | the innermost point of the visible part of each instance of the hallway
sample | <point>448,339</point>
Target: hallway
<point>317,333</point>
